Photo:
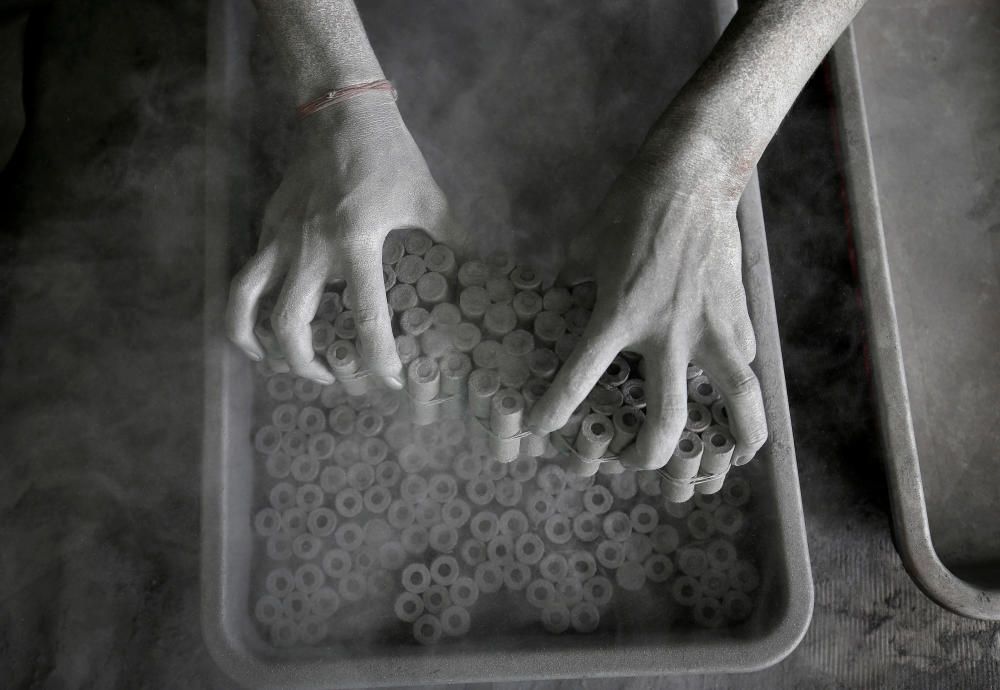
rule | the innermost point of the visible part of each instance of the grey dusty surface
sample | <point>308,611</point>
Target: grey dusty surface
<point>100,376</point>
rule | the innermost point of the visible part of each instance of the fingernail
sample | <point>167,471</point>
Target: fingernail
<point>325,380</point>
<point>394,382</point>
<point>742,460</point>
<point>256,356</point>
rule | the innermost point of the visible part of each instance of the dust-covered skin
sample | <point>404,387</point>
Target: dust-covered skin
<point>665,246</point>
<point>102,392</point>
<point>356,175</point>
<point>665,251</point>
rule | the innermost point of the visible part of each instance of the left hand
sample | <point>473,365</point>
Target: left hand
<point>357,175</point>
<point>665,250</point>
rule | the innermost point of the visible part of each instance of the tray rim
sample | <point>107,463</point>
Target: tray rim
<point>651,657</point>
<point>911,526</point>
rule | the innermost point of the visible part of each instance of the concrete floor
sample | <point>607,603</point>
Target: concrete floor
<point>100,384</point>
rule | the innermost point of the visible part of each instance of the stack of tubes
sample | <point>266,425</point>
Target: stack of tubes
<point>487,337</point>
<point>482,341</point>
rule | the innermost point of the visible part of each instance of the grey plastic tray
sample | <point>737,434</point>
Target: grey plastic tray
<point>785,598</point>
<point>944,495</point>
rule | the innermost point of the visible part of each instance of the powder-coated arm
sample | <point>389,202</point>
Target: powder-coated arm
<point>742,92</point>
<point>356,175</point>
<point>322,44</point>
<point>665,247</point>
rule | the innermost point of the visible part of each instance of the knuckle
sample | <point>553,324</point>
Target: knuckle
<point>355,241</point>
<point>654,447</point>
<point>313,223</point>
<point>735,335</point>
<point>742,384</point>
<point>746,342</point>
<point>286,323</point>
<point>368,315</point>
<point>666,420</point>
<point>300,369</point>
<point>381,359</point>
<point>313,262</point>
<point>757,437</point>
<point>674,409</point>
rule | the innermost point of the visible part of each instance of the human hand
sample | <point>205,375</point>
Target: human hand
<point>357,175</point>
<point>665,251</point>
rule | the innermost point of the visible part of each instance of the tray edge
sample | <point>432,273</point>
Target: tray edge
<point>911,527</point>
<point>241,664</point>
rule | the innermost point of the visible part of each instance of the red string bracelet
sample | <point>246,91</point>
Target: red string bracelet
<point>340,95</point>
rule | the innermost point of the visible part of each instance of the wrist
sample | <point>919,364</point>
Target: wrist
<point>707,122</point>
<point>331,98</point>
<point>311,81</point>
<point>364,114</point>
<point>685,151</point>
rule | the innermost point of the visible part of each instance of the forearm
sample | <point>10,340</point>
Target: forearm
<point>321,43</point>
<point>736,100</point>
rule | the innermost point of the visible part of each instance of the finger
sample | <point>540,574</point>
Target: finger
<point>293,314</point>
<point>371,313</point>
<point>666,409</point>
<point>258,275</point>
<point>727,365</point>
<point>598,345</point>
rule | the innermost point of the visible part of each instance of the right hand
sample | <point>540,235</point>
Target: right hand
<point>665,249</point>
<point>357,175</point>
